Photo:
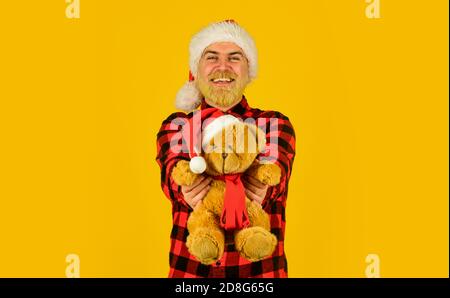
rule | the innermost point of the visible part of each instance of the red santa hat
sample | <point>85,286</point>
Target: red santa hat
<point>189,97</point>
<point>197,137</point>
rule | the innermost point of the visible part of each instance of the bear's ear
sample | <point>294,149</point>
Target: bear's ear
<point>260,136</point>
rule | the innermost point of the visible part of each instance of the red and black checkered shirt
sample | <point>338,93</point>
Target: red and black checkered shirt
<point>182,264</point>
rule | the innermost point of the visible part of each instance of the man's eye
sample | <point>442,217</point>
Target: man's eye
<point>235,58</point>
<point>211,58</point>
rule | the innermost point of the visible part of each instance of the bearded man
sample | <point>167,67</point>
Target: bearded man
<point>223,61</point>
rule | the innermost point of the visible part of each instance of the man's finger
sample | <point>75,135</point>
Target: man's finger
<point>253,196</point>
<point>256,184</point>
<point>200,187</point>
<point>199,196</point>
<point>253,188</point>
<point>254,181</point>
<point>196,182</point>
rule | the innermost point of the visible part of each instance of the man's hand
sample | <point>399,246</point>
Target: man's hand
<point>196,192</point>
<point>255,190</point>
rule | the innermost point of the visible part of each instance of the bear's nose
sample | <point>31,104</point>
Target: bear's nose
<point>224,155</point>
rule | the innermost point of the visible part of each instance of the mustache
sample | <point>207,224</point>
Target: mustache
<point>226,74</point>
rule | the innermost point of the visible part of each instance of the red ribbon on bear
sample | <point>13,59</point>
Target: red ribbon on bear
<point>234,213</point>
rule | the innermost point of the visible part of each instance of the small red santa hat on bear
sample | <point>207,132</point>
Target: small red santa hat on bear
<point>198,137</point>
<point>204,125</point>
<point>189,97</point>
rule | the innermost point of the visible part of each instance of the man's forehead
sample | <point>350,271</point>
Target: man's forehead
<point>223,48</point>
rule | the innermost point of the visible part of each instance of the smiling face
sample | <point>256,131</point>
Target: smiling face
<point>222,74</point>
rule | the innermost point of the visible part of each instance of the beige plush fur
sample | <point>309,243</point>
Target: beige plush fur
<point>206,237</point>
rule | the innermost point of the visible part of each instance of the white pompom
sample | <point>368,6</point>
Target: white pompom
<point>188,98</point>
<point>197,164</point>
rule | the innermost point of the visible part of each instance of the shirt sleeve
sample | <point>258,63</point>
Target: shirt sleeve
<point>170,150</point>
<point>280,149</point>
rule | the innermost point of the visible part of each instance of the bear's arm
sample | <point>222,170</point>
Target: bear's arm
<point>170,150</point>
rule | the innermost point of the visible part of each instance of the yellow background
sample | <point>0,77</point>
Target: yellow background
<point>82,101</point>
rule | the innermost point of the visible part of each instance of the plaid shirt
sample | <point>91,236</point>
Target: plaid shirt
<point>182,263</point>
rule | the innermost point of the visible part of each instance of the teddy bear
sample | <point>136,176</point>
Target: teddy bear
<point>229,151</point>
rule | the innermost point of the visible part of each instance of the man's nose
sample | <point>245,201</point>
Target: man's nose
<point>223,64</point>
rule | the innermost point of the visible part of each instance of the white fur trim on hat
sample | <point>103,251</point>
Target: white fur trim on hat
<point>197,164</point>
<point>188,98</point>
<point>225,31</point>
<point>216,126</point>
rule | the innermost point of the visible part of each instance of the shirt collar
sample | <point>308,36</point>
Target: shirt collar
<point>238,109</point>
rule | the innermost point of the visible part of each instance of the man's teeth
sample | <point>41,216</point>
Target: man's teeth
<point>222,80</point>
